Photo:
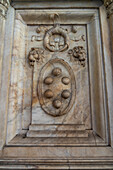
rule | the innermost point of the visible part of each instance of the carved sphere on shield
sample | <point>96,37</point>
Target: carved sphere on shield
<point>65,80</point>
<point>66,94</point>
<point>48,93</point>
<point>57,71</point>
<point>57,104</point>
<point>48,80</point>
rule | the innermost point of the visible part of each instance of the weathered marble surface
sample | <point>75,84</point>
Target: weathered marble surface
<point>109,57</point>
<point>60,4</point>
<point>89,140</point>
<point>89,149</point>
<point>6,66</point>
<point>3,25</point>
<point>17,80</point>
<point>80,112</point>
<point>24,104</point>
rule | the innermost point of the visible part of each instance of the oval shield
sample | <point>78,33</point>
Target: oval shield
<point>56,87</point>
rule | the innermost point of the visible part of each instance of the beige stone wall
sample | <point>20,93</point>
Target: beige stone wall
<point>56,87</point>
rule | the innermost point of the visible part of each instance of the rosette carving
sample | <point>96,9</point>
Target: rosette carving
<point>78,53</point>
<point>36,55</point>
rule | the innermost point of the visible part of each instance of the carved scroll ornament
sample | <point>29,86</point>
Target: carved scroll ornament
<point>40,34</point>
<point>75,38</point>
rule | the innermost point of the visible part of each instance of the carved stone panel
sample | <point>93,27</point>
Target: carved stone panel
<point>56,90</point>
<point>60,78</point>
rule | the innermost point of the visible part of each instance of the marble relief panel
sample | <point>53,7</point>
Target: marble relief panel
<point>57,96</point>
<point>51,86</point>
<point>60,42</point>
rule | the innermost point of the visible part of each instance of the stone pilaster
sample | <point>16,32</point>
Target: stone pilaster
<point>4,4</point>
<point>109,7</point>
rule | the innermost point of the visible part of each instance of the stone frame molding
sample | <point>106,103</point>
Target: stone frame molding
<point>40,156</point>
